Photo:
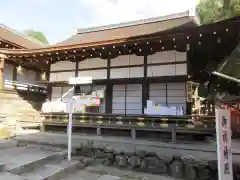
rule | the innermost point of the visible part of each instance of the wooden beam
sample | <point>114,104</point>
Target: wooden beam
<point>161,79</point>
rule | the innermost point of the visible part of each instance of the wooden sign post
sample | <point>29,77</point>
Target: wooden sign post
<point>224,146</point>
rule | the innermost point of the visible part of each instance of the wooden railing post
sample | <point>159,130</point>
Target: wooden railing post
<point>2,59</point>
<point>99,130</point>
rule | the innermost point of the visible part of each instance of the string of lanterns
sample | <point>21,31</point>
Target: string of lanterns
<point>8,45</point>
<point>71,53</point>
<point>20,71</point>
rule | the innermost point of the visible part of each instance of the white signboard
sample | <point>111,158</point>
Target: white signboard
<point>80,102</point>
<point>80,80</point>
<point>224,147</point>
<point>87,100</point>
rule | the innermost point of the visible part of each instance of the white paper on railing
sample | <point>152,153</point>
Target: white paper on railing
<point>158,109</point>
<point>53,107</point>
<point>22,86</point>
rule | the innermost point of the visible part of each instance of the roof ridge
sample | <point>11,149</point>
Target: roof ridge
<point>137,22</point>
<point>22,35</point>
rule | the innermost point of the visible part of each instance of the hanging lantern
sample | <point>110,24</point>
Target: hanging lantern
<point>188,47</point>
<point>44,76</point>
<point>20,70</point>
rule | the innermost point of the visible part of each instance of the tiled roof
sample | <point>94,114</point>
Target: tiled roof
<point>20,39</point>
<point>133,28</point>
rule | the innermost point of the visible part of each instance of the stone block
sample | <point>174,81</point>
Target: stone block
<point>99,153</point>
<point>134,161</point>
<point>53,170</point>
<point>204,170</point>
<point>190,172</point>
<point>26,159</point>
<point>177,168</point>
<point>110,159</point>
<point>154,165</point>
<point>121,160</point>
<point>2,167</point>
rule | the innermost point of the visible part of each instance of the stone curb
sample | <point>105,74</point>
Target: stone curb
<point>167,146</point>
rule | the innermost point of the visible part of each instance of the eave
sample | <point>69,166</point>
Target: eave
<point>15,37</point>
<point>177,39</point>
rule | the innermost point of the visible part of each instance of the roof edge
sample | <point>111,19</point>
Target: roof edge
<point>22,35</point>
<point>194,13</point>
<point>189,13</point>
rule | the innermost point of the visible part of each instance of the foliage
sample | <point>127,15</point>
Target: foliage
<point>216,10</point>
<point>37,35</point>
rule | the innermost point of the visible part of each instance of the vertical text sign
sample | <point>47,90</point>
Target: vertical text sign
<point>224,146</point>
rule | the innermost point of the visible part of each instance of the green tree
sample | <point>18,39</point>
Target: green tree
<point>37,35</point>
<point>216,10</point>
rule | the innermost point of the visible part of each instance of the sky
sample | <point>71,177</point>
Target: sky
<point>59,19</point>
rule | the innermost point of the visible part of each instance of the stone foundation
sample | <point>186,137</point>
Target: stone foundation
<point>182,167</point>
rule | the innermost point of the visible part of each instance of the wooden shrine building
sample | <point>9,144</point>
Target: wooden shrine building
<point>11,39</point>
<point>152,59</point>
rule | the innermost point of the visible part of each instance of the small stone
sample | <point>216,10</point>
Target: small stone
<point>188,159</point>
<point>109,149</point>
<point>109,177</point>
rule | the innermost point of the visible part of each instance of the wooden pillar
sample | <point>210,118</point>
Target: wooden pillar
<point>145,85</point>
<point>133,134</point>
<point>2,59</point>
<point>188,103</point>
<point>108,91</point>
<point>15,76</point>
<point>49,87</point>
<point>76,68</point>
<point>99,131</point>
<point>174,135</point>
<point>14,73</point>
<point>108,68</point>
